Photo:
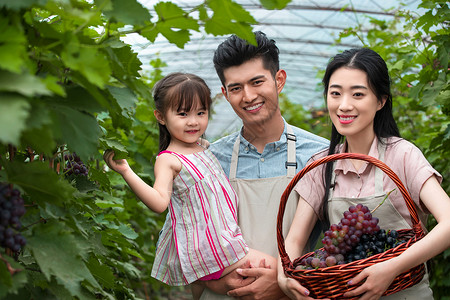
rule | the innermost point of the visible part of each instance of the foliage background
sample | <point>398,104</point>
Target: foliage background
<point>68,83</point>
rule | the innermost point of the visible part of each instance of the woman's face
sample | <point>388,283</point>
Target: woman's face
<point>352,104</point>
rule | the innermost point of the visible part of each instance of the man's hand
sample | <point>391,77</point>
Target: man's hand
<point>229,282</point>
<point>264,286</point>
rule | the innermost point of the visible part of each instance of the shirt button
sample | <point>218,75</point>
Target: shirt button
<point>253,148</point>
<point>246,148</point>
<point>278,148</point>
<point>262,159</point>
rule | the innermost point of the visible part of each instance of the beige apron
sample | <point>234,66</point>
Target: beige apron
<point>389,218</point>
<point>259,200</point>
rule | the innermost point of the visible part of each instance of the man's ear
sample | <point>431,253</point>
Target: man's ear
<point>224,92</point>
<point>159,116</point>
<point>280,78</point>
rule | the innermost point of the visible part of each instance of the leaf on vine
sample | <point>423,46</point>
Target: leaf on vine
<point>25,84</point>
<point>124,62</point>
<point>40,182</point>
<point>79,130</point>
<point>125,98</point>
<point>120,151</point>
<point>14,111</point>
<point>102,273</point>
<point>57,253</point>
<point>129,12</point>
<point>13,52</point>
<point>173,23</point>
<point>274,4</point>
<point>90,62</point>
<point>230,17</point>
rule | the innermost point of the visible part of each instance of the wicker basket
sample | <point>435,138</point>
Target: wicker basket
<point>331,282</point>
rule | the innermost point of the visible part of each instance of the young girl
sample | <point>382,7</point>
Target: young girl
<point>359,101</point>
<point>200,239</point>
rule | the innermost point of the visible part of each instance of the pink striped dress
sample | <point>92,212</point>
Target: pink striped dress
<point>200,235</point>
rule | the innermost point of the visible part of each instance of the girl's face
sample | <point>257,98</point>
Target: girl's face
<point>352,105</point>
<point>185,127</point>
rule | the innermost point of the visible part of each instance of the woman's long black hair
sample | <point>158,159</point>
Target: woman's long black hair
<point>384,125</point>
<point>180,91</point>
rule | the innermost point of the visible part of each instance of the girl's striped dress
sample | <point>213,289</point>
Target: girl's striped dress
<point>200,235</point>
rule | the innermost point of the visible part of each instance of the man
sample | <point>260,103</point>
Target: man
<point>260,160</point>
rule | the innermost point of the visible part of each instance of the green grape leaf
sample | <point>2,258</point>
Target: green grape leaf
<point>102,273</point>
<point>217,27</point>
<point>126,11</point>
<point>14,111</point>
<point>58,254</point>
<point>127,231</point>
<point>100,177</point>
<point>231,11</point>
<point>174,24</point>
<point>179,38</point>
<point>40,182</point>
<point>172,16</point>
<point>90,62</point>
<point>41,140</point>
<point>79,130</point>
<point>124,61</point>
<point>229,17</point>
<point>81,99</point>
<point>19,4</point>
<point>25,84</point>
<point>120,152</point>
<point>430,93</point>
<point>125,98</point>
<point>13,52</point>
<point>274,4</point>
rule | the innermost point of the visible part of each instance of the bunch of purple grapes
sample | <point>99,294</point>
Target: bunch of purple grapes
<point>357,236</point>
<point>74,165</point>
<point>373,244</point>
<point>11,209</point>
<point>320,259</point>
<point>343,237</point>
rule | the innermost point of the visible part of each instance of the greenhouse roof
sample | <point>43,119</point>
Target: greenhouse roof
<point>304,31</point>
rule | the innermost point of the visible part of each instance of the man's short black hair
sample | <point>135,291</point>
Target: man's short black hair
<point>235,51</point>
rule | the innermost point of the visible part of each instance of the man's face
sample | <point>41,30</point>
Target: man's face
<point>253,92</point>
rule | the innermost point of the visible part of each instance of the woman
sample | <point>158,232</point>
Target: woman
<point>359,101</point>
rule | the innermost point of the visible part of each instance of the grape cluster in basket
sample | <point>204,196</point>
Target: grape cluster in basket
<point>357,236</point>
<point>11,209</point>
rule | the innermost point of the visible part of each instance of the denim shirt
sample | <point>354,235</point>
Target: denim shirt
<point>271,162</point>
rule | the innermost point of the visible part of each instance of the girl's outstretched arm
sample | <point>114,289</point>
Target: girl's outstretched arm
<point>157,197</point>
<point>379,276</point>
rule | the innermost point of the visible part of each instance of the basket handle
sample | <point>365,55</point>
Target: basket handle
<point>417,228</point>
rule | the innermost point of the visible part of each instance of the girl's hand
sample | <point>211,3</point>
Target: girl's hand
<point>120,165</point>
<point>378,278</point>
<point>292,288</point>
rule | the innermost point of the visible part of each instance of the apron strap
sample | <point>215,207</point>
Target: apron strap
<point>378,172</point>
<point>291,163</point>
<point>235,157</point>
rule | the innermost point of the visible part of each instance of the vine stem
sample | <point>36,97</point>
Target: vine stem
<point>382,201</point>
<point>11,270</point>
